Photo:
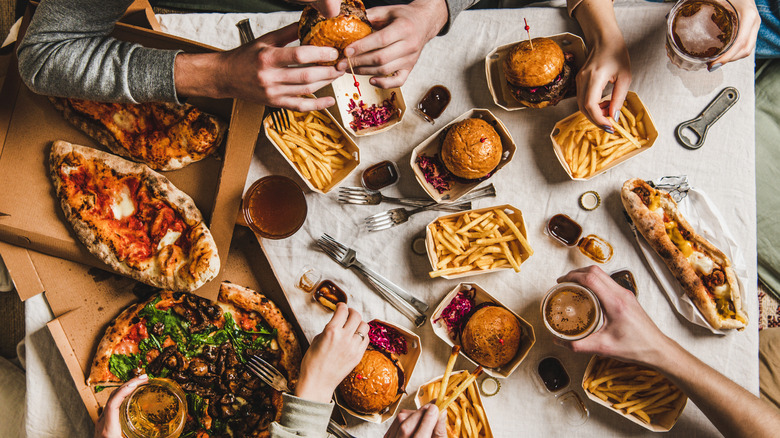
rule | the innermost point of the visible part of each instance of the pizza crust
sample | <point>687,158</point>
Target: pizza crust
<point>197,271</point>
<point>105,137</point>
<point>651,226</point>
<point>250,300</point>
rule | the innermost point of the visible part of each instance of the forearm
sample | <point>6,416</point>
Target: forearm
<point>730,407</point>
<point>67,52</point>
<point>597,20</point>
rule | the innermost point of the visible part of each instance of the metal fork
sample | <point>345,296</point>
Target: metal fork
<point>397,216</point>
<point>273,378</point>
<point>361,196</point>
<point>404,302</point>
<point>279,117</point>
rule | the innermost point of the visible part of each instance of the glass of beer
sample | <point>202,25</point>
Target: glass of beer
<point>699,31</point>
<point>571,311</point>
<point>274,207</point>
<point>156,409</point>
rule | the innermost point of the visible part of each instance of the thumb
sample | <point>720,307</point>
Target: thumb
<point>379,16</point>
<point>280,37</point>
<point>440,431</point>
<point>619,92</point>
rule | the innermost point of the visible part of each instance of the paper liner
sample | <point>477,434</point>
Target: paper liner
<point>432,146</point>
<point>663,423</point>
<point>527,339</point>
<point>343,89</point>
<point>496,80</point>
<point>338,176</point>
<point>636,105</point>
<point>419,403</point>
<point>430,246</point>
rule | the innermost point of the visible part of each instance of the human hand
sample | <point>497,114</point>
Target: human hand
<point>332,355</point>
<point>400,33</point>
<point>628,332</point>
<point>328,8</point>
<point>745,42</point>
<point>262,70</point>
<point>607,62</point>
<point>107,425</point>
<point>422,423</point>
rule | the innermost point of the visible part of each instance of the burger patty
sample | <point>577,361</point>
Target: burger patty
<point>552,92</point>
<point>312,16</point>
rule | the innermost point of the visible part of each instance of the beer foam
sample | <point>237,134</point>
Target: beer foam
<point>698,35</point>
<point>570,312</point>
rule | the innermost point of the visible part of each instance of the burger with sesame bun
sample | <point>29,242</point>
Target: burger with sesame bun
<point>491,336</point>
<point>338,32</point>
<point>471,149</point>
<point>375,383</point>
<point>538,76</point>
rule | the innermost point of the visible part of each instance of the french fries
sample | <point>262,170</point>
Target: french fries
<point>588,149</point>
<point>632,389</point>
<point>477,240</point>
<point>457,395</point>
<point>314,145</point>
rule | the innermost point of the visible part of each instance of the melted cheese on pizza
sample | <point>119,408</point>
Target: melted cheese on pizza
<point>155,133</point>
<point>123,212</point>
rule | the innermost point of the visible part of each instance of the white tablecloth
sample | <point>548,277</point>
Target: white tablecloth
<point>533,182</point>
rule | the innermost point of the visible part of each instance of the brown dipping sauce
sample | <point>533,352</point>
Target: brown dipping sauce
<point>625,279</point>
<point>274,207</point>
<point>329,295</point>
<point>553,374</point>
<point>564,229</point>
<point>380,175</point>
<point>434,103</point>
<point>598,249</point>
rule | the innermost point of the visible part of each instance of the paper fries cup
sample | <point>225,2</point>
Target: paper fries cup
<point>527,339</point>
<point>408,362</point>
<point>496,80</point>
<point>432,145</point>
<point>343,90</point>
<point>662,422</point>
<point>419,401</point>
<point>430,244</point>
<point>636,105</point>
<point>339,176</point>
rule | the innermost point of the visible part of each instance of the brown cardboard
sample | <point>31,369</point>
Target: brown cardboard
<point>30,215</point>
<point>103,296</point>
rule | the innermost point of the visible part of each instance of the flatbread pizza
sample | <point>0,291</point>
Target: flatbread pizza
<point>133,218</point>
<point>705,273</point>
<point>203,345</point>
<point>164,136</point>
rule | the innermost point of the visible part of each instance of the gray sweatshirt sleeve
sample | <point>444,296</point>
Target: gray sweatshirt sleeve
<point>455,7</point>
<point>302,418</point>
<point>67,52</point>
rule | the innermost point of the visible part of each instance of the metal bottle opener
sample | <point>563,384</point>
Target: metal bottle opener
<point>725,100</point>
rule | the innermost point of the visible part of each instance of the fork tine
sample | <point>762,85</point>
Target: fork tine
<point>275,119</point>
<point>285,119</point>
<point>265,365</point>
<point>353,190</point>
<point>331,251</point>
<point>260,372</point>
<point>335,242</point>
<point>381,227</point>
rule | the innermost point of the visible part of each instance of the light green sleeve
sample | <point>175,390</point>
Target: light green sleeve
<point>302,418</point>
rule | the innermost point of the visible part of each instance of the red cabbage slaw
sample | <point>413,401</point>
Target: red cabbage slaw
<point>434,172</point>
<point>364,116</point>
<point>454,315</point>
<point>386,338</point>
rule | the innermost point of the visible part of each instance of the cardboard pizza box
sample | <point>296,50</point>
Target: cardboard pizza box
<point>81,323</point>
<point>30,214</point>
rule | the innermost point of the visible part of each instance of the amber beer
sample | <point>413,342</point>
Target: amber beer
<point>157,409</point>
<point>571,311</point>
<point>699,31</point>
<point>274,207</point>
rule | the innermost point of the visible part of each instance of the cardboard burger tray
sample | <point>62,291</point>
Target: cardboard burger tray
<point>81,323</point>
<point>30,213</point>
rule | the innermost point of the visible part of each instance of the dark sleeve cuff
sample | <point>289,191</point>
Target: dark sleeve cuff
<point>454,7</point>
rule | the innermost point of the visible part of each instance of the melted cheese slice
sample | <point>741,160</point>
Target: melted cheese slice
<point>169,238</point>
<point>123,206</point>
<point>67,170</point>
<point>701,263</point>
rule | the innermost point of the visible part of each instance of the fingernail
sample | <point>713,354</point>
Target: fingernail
<point>372,81</point>
<point>333,55</point>
<point>608,129</point>
<point>617,116</point>
<point>715,67</point>
<point>349,51</point>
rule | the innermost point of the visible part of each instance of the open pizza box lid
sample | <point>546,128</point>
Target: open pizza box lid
<point>82,322</point>
<point>496,80</point>
<point>408,362</point>
<point>432,146</point>
<point>662,422</point>
<point>30,212</point>
<point>527,339</point>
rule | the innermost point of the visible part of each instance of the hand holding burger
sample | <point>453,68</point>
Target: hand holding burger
<point>333,354</point>
<point>350,25</point>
